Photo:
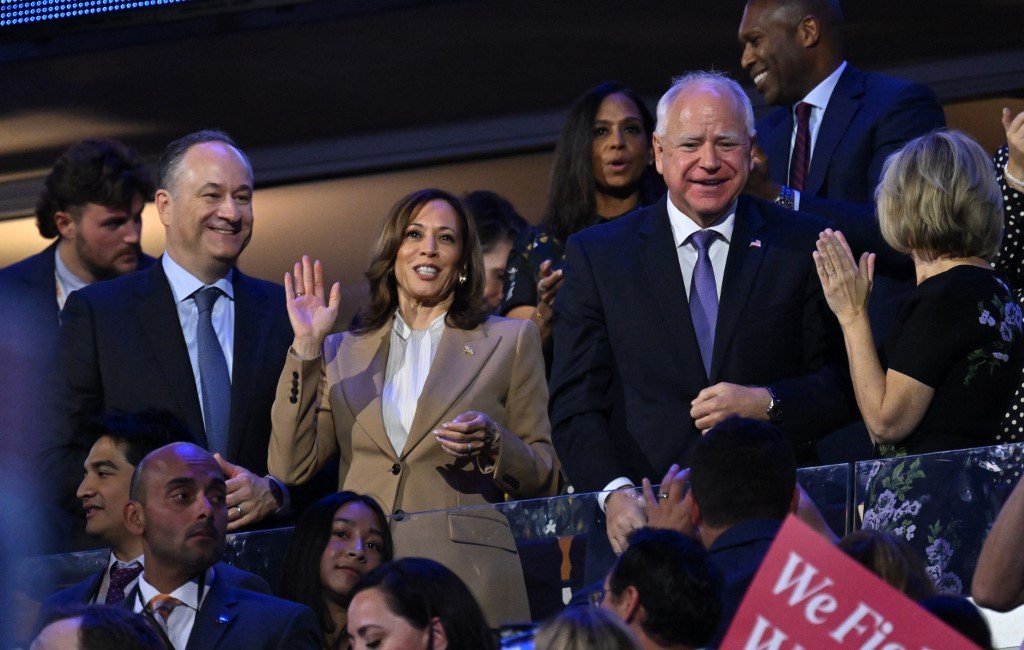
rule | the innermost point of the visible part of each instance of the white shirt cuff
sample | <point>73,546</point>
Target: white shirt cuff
<point>796,199</point>
<point>622,481</point>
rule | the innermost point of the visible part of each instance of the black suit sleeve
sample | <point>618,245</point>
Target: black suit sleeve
<point>301,632</point>
<point>581,379</point>
<point>914,112</point>
<point>77,395</point>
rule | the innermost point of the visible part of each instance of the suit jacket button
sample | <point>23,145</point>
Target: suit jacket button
<point>395,469</point>
<point>293,399</point>
<point>398,515</point>
<point>295,376</point>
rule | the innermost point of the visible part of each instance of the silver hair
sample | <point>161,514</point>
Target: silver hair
<point>705,78</point>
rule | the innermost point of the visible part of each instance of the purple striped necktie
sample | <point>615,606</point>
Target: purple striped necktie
<point>801,147</point>
<point>704,296</point>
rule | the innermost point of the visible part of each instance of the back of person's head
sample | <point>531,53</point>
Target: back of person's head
<point>740,470</point>
<point>891,559</point>
<point>585,628</point>
<point>100,627</point>
<point>496,219</point>
<point>419,590</point>
<point>676,584</point>
<point>103,172</point>
<point>961,615</point>
<point>138,433</point>
<point>938,196</point>
<point>301,570</point>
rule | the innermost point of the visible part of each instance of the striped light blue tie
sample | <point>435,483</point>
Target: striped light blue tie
<point>213,373</point>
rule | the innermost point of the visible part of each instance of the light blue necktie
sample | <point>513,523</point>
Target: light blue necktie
<point>213,373</point>
<point>704,296</point>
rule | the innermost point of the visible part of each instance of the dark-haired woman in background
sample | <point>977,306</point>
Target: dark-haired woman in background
<point>430,403</point>
<point>337,541</point>
<point>602,170</point>
<point>417,604</point>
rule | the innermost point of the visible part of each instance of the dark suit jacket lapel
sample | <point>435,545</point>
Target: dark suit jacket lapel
<point>774,135</point>
<point>663,282</point>
<point>461,355</point>
<point>746,251</point>
<point>158,321</point>
<point>251,332</point>
<point>363,383</point>
<point>215,616</point>
<point>842,106</point>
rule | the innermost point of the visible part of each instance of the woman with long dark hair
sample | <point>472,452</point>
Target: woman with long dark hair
<point>337,541</point>
<point>602,170</point>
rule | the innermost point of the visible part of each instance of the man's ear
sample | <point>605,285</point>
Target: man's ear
<point>438,636</point>
<point>163,201</point>
<point>808,31</point>
<point>659,151</point>
<point>134,518</point>
<point>66,224</point>
<point>627,604</point>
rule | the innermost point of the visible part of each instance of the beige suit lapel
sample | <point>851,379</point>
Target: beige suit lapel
<point>363,384</point>
<point>461,355</point>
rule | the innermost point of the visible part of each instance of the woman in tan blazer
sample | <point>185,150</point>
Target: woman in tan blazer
<point>430,404</point>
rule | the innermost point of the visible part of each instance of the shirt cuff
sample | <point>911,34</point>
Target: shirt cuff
<point>622,481</point>
<point>286,497</point>
<point>796,199</point>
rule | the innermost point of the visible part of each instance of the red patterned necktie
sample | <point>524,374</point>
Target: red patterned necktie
<point>121,577</point>
<point>801,147</point>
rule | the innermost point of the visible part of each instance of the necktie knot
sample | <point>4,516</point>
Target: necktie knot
<point>702,239</point>
<point>205,298</point>
<point>803,111</point>
<point>121,575</point>
<point>163,605</point>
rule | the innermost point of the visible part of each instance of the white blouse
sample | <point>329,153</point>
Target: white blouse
<point>409,359</point>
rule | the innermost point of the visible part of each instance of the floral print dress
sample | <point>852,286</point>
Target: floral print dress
<point>1010,264</point>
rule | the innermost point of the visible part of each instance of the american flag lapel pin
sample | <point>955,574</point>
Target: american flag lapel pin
<point>755,243</point>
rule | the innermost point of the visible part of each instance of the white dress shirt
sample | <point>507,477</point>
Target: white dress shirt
<point>818,99</point>
<point>66,280</point>
<point>178,625</point>
<point>183,286</point>
<point>409,359</point>
<point>682,228</point>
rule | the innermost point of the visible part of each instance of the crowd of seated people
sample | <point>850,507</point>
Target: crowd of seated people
<point>710,299</point>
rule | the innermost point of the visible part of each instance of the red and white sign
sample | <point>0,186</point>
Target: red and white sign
<point>808,595</point>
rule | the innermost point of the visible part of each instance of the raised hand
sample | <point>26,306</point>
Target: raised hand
<point>1015,143</point>
<point>312,316</point>
<point>845,281</point>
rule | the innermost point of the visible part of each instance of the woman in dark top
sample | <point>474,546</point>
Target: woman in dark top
<point>602,169</point>
<point>1009,162</point>
<point>955,354</point>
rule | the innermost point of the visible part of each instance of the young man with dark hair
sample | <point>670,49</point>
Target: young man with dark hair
<point>666,589</point>
<point>122,440</point>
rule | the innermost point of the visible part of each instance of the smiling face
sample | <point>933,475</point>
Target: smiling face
<point>354,548</point>
<point>372,624</point>
<point>620,149</point>
<point>182,514</point>
<point>208,210</point>
<point>426,265</point>
<point>104,491</point>
<point>773,55</point>
<point>704,154</point>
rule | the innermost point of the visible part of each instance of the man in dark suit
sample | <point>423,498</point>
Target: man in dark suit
<point>192,335</point>
<point>179,508</point>
<point>122,441</point>
<point>678,315</point>
<point>822,151</point>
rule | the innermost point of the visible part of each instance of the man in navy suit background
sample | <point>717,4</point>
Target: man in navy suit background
<point>793,51</point>
<point>179,509</point>
<point>635,378</point>
<point>139,341</point>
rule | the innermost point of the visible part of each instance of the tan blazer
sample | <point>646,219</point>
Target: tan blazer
<point>332,405</point>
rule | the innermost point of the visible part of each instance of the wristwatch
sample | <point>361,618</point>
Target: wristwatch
<point>774,410</point>
<point>786,197</point>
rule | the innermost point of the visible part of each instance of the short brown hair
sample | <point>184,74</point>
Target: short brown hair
<point>467,309</point>
<point>939,198</point>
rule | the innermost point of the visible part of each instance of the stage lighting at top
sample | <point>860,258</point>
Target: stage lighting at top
<point>15,12</point>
